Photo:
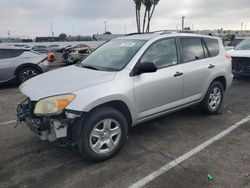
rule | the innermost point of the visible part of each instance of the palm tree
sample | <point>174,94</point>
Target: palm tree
<point>154,3</point>
<point>147,14</point>
<point>138,14</point>
<point>148,5</point>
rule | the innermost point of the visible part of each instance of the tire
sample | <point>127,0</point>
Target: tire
<point>26,73</point>
<point>214,97</point>
<point>98,144</point>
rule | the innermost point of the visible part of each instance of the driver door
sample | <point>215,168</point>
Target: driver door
<point>162,90</point>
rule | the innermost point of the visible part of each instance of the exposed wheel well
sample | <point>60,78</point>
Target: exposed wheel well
<point>121,107</point>
<point>27,65</point>
<point>222,80</point>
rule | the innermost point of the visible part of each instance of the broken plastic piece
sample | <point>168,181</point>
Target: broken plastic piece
<point>210,177</point>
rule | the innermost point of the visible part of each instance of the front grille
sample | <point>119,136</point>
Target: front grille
<point>241,64</point>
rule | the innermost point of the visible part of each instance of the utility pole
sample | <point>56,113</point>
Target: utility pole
<point>125,28</point>
<point>105,26</point>
<point>242,27</point>
<point>8,34</point>
<point>182,20</point>
<point>51,28</point>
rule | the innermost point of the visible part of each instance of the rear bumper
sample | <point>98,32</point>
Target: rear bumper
<point>49,128</point>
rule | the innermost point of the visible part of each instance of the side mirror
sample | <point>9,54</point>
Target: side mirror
<point>146,67</point>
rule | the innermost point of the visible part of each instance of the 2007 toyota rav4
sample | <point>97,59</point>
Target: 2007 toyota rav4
<point>124,82</point>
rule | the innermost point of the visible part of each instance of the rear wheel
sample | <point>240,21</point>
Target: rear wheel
<point>26,73</point>
<point>214,97</point>
<point>104,132</point>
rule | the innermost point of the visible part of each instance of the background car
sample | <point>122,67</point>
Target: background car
<point>233,44</point>
<point>40,48</point>
<point>74,54</point>
<point>21,64</point>
<point>241,58</point>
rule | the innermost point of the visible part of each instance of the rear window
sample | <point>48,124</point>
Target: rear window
<point>192,49</point>
<point>213,46</point>
<point>10,53</point>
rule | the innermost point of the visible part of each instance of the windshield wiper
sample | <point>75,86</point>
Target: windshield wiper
<point>90,67</point>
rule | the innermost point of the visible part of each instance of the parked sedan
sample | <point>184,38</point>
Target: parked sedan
<point>21,64</point>
<point>241,58</point>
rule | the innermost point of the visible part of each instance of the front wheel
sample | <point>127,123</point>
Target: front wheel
<point>26,73</point>
<point>104,132</point>
<point>214,97</point>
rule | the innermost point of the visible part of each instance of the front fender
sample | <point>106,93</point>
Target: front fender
<point>90,98</point>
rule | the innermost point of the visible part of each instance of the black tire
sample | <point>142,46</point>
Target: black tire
<point>207,109</point>
<point>26,73</point>
<point>90,122</point>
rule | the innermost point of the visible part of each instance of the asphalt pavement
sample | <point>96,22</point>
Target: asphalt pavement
<point>26,161</point>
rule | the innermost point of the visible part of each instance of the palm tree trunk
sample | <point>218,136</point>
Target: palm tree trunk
<point>144,20</point>
<point>148,26</point>
<point>136,13</point>
<point>139,21</point>
<point>147,30</point>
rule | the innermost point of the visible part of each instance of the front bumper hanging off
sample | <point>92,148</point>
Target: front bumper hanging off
<point>47,128</point>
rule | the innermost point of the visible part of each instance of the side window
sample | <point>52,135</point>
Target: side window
<point>192,49</point>
<point>162,53</point>
<point>6,53</point>
<point>213,46</point>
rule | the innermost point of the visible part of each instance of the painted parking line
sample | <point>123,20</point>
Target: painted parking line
<point>8,122</point>
<point>187,155</point>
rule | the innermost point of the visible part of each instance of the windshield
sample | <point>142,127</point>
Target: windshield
<point>113,55</point>
<point>244,45</point>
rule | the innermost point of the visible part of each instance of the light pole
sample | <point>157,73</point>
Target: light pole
<point>105,26</point>
<point>8,34</point>
<point>183,20</point>
<point>51,28</point>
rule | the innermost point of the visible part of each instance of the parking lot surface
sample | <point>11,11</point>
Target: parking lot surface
<point>26,161</point>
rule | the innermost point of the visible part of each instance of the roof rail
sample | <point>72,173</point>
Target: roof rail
<point>162,32</point>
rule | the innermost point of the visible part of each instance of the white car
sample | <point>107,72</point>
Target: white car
<point>241,58</point>
<point>21,64</point>
<point>125,82</point>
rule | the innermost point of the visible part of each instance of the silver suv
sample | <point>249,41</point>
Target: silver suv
<point>125,82</point>
<point>20,64</point>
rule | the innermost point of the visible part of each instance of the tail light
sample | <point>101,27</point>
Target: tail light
<point>229,58</point>
<point>51,57</point>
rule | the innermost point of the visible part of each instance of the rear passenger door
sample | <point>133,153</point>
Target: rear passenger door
<point>196,68</point>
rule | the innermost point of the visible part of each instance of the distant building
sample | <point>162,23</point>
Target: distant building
<point>79,38</point>
<point>48,39</point>
<point>6,40</point>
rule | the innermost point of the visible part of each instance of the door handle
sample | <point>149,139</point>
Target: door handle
<point>211,66</point>
<point>178,74</point>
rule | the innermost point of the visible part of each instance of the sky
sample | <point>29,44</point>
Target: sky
<point>30,18</point>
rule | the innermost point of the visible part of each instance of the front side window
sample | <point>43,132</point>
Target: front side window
<point>162,53</point>
<point>192,49</point>
<point>244,45</point>
<point>113,55</point>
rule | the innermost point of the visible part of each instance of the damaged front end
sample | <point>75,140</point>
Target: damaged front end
<point>241,66</point>
<point>50,128</point>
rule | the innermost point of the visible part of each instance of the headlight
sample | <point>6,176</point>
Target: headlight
<point>53,105</point>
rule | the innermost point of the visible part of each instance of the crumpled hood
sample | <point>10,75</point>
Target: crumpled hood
<point>239,53</point>
<point>63,81</point>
